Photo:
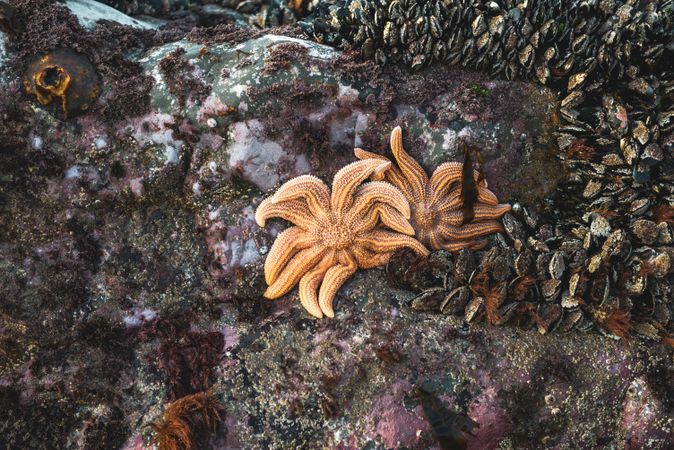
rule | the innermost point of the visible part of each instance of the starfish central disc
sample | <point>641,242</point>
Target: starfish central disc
<point>340,235</point>
<point>424,215</point>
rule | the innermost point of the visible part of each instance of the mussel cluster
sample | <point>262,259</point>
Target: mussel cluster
<point>536,273</point>
<point>517,38</point>
<point>603,254</point>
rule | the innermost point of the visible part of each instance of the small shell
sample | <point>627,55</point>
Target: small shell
<point>549,317</point>
<point>550,289</point>
<point>573,284</point>
<point>557,267</point>
<point>600,227</point>
<point>523,263</point>
<point>576,80</point>
<point>474,307</point>
<point>640,132</point>
<point>570,319</point>
<point>645,230</point>
<point>455,301</point>
<point>429,300</point>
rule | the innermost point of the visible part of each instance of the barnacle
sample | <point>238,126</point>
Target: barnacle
<point>65,76</point>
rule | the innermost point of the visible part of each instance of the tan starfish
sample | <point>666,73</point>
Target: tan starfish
<point>436,202</point>
<point>334,233</point>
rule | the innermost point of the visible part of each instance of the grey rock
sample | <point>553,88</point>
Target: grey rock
<point>90,11</point>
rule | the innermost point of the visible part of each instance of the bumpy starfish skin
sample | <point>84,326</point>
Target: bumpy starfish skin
<point>436,202</point>
<point>334,233</point>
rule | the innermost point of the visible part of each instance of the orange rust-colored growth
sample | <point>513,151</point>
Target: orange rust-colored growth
<point>492,302</point>
<point>523,286</point>
<point>175,430</point>
<point>579,150</point>
<point>616,321</point>
<point>529,309</point>
<point>669,340</point>
<point>63,76</point>
<point>298,6</point>
<point>664,213</point>
<point>50,83</point>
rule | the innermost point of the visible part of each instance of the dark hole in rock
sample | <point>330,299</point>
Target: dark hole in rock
<point>52,76</point>
<point>117,170</point>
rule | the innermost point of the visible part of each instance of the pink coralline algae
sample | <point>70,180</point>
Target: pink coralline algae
<point>396,426</point>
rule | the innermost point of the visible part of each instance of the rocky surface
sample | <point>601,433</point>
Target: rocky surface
<point>131,264</point>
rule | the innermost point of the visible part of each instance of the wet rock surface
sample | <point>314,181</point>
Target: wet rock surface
<point>131,263</point>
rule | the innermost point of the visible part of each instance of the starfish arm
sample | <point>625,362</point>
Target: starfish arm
<point>286,245</point>
<point>299,265</point>
<point>387,241</point>
<point>393,219</point>
<point>447,174</point>
<point>393,175</point>
<point>469,231</point>
<point>484,195</point>
<point>334,279</point>
<point>309,285</point>
<point>349,177</point>
<point>367,259</point>
<point>452,218</point>
<point>379,192</point>
<point>455,246</point>
<point>295,211</point>
<point>413,172</point>
<point>388,215</point>
<point>432,240</point>
<point>309,187</point>
<point>364,154</point>
<point>455,218</point>
<point>450,202</point>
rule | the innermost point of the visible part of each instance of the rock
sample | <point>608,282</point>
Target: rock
<point>90,11</point>
<point>131,262</point>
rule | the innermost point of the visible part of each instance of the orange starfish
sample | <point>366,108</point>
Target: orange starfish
<point>334,233</point>
<point>436,202</point>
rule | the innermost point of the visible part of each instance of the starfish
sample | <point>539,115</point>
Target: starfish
<point>436,203</point>
<point>335,233</point>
